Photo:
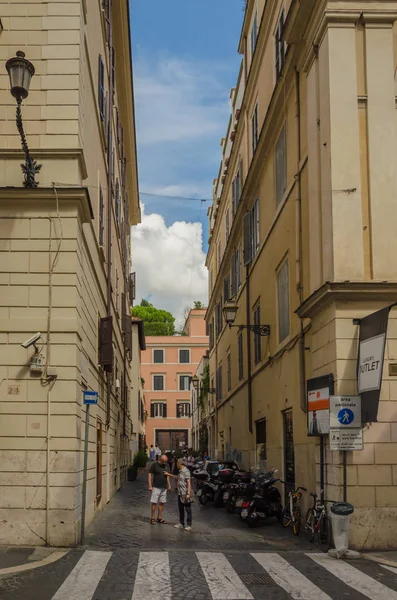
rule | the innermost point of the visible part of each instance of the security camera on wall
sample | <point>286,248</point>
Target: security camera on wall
<point>32,341</point>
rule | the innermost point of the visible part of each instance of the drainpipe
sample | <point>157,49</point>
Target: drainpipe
<point>109,207</point>
<point>248,318</point>
<point>301,345</point>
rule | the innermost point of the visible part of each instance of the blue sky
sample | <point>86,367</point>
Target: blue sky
<point>185,63</point>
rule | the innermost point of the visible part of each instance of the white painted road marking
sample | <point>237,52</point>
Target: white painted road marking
<point>289,578</point>
<point>153,578</point>
<point>354,578</point>
<point>222,579</point>
<point>83,580</point>
<point>392,569</point>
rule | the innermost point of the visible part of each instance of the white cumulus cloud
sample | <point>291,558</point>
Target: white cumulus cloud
<point>169,263</point>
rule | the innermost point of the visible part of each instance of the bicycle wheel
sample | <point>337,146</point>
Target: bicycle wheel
<point>309,523</point>
<point>297,520</point>
<point>286,517</point>
<point>325,533</point>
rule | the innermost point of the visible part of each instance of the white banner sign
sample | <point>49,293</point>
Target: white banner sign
<point>370,363</point>
<point>344,412</point>
<point>346,439</point>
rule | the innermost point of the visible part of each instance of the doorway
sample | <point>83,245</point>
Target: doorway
<point>289,454</point>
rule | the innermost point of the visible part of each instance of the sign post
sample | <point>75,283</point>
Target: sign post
<point>319,390</point>
<point>88,398</point>
<point>345,428</point>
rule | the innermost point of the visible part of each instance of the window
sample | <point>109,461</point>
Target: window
<point>183,410</point>
<point>281,166</point>
<point>227,224</point>
<point>226,288</point>
<point>257,338</point>
<point>255,227</point>
<point>229,371</point>
<point>254,34</point>
<point>280,45</point>
<point>101,218</point>
<point>118,202</point>
<point>158,383</point>
<point>158,410</point>
<point>251,233</point>
<point>236,189</point>
<point>184,383</point>
<point>219,254</point>
<point>184,356</point>
<point>254,129</point>
<point>211,334</point>
<point>158,356</point>
<point>240,356</point>
<point>218,318</point>
<point>283,302</point>
<point>218,385</point>
<point>101,88</point>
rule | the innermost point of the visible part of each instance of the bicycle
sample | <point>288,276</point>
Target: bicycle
<point>292,512</point>
<point>318,523</point>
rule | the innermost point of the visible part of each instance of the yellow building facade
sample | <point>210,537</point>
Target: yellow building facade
<point>65,266</point>
<point>302,238</point>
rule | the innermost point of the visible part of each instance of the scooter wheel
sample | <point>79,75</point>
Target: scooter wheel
<point>203,499</point>
<point>252,519</point>
<point>230,505</point>
<point>218,500</point>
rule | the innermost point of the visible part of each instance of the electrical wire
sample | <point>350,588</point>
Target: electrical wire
<point>44,378</point>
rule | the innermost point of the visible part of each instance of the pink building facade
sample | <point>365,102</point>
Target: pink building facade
<point>168,363</point>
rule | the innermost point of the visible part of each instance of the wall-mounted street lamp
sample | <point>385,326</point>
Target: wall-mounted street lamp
<point>21,71</point>
<point>229,312</point>
<point>195,382</point>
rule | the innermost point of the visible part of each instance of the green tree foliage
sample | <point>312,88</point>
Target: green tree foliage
<point>157,321</point>
<point>198,304</point>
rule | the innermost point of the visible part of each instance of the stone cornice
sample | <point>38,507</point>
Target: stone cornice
<point>347,291</point>
<point>48,153</point>
<point>40,199</point>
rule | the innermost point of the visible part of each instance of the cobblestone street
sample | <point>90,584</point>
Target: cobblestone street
<point>127,558</point>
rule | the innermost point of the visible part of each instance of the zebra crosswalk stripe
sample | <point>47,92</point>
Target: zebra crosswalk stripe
<point>83,580</point>
<point>367,586</point>
<point>222,579</point>
<point>153,577</point>
<point>392,569</point>
<point>289,578</point>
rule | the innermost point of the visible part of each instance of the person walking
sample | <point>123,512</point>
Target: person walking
<point>157,453</point>
<point>152,453</point>
<point>158,485</point>
<point>184,498</point>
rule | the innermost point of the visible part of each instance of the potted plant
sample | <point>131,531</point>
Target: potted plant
<point>138,463</point>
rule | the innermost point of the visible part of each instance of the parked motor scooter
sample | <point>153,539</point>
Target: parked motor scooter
<point>264,504</point>
<point>244,489</point>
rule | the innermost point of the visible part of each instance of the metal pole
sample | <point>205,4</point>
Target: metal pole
<point>344,476</point>
<point>83,503</point>
<point>322,468</point>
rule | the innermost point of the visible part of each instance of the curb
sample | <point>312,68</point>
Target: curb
<point>34,565</point>
<point>380,561</point>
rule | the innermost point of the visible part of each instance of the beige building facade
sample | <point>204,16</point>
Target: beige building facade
<point>138,412</point>
<point>302,238</point>
<point>65,267</point>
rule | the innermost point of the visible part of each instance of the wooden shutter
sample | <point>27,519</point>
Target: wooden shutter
<point>247,224</point>
<point>106,343</point>
<point>113,71</point>
<point>101,88</point>
<point>132,287</point>
<point>226,288</point>
<point>152,410</point>
<point>128,334</point>
<point>165,410</point>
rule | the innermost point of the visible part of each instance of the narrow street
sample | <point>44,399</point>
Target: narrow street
<point>127,558</point>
